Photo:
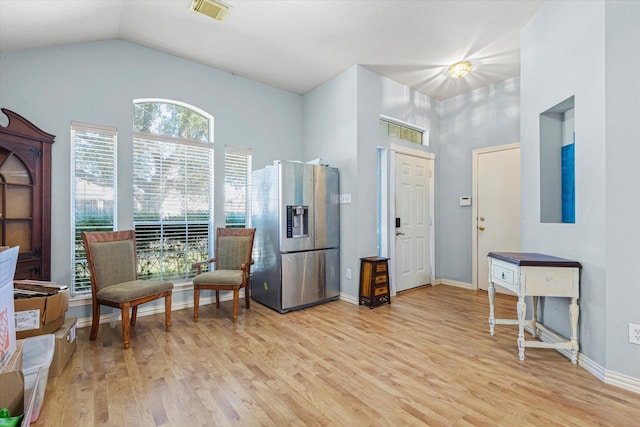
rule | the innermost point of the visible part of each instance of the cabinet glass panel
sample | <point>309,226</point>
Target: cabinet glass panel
<point>18,202</point>
<point>14,171</point>
<point>19,234</point>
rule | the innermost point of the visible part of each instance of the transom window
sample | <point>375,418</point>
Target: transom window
<point>401,130</point>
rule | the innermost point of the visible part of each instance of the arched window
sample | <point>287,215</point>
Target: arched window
<point>172,187</point>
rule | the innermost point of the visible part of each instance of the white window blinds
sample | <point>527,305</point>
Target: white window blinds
<point>173,204</point>
<point>93,191</point>
<point>237,175</point>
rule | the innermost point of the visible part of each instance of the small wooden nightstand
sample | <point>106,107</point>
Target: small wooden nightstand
<point>374,281</point>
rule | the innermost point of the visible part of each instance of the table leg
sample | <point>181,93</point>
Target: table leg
<point>492,317</point>
<point>534,316</point>
<point>574,312</point>
<point>522,308</point>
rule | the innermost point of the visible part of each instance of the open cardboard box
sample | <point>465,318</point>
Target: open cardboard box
<point>40,315</point>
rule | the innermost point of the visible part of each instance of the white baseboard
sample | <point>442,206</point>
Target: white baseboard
<point>457,284</point>
<point>609,377</point>
<point>590,366</point>
<point>349,298</point>
<point>150,309</point>
<point>622,381</point>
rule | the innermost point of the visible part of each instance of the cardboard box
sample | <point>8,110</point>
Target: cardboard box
<point>40,315</point>
<point>12,394</point>
<point>65,346</point>
<point>8,260</point>
<point>15,362</point>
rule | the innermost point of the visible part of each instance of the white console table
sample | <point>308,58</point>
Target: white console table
<point>535,275</point>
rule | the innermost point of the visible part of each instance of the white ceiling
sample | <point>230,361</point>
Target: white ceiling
<point>297,45</point>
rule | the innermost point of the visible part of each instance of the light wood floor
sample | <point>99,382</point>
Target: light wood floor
<point>426,359</point>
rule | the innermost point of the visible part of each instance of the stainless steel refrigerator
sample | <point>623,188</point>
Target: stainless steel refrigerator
<point>296,213</point>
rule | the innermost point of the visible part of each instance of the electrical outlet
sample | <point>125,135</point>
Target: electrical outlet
<point>348,274</point>
<point>634,333</point>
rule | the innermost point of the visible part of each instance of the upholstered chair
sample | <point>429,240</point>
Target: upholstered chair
<point>231,271</point>
<point>113,267</point>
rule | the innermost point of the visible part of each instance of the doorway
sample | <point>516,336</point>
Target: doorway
<point>496,207</point>
<point>411,206</point>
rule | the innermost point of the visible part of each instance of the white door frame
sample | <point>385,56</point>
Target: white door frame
<point>391,210</point>
<point>474,206</point>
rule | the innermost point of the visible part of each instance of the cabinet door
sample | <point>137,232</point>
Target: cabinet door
<point>25,195</point>
<point>19,207</point>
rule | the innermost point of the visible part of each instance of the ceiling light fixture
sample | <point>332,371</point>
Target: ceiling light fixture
<point>460,69</point>
<point>212,8</point>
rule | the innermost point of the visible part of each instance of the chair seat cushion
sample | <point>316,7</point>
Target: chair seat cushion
<point>219,277</point>
<point>135,289</point>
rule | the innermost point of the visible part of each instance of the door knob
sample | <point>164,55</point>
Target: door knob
<point>481,218</point>
<point>481,228</point>
<point>399,233</point>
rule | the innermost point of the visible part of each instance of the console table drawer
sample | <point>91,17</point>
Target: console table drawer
<point>504,275</point>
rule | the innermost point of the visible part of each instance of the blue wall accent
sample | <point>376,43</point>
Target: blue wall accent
<point>568,183</point>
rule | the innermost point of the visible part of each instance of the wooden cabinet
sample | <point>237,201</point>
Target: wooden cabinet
<point>374,281</point>
<point>25,195</point>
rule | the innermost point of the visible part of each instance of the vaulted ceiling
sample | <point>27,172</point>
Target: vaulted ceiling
<point>297,45</point>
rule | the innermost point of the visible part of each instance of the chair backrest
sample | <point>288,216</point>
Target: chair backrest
<point>233,247</point>
<point>111,257</point>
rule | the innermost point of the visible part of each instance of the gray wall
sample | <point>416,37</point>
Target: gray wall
<point>330,133</point>
<point>97,83</point>
<point>341,126</point>
<point>622,302</point>
<point>562,51</point>
<point>482,118</point>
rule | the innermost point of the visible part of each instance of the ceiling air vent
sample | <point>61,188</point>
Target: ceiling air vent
<point>212,8</point>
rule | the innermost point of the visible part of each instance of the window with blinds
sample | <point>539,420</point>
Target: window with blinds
<point>237,174</point>
<point>172,189</point>
<point>93,192</point>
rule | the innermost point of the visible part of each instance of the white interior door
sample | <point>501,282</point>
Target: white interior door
<point>412,212</point>
<point>497,199</point>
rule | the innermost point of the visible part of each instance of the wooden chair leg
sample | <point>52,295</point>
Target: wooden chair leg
<point>247,299</point>
<point>217,298</point>
<point>236,292</point>
<point>167,312</point>
<point>134,315</point>
<point>126,328</point>
<point>95,321</point>
<point>196,303</point>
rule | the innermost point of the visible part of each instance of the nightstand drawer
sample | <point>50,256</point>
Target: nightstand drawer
<point>381,290</point>
<point>381,267</point>
<point>382,278</point>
